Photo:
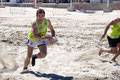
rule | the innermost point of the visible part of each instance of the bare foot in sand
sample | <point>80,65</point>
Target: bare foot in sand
<point>100,52</point>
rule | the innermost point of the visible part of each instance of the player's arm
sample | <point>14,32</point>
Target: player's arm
<point>51,28</point>
<point>53,38</point>
<point>108,26</point>
<point>115,21</point>
<point>111,23</point>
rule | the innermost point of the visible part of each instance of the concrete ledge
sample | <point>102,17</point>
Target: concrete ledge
<point>61,5</point>
<point>94,6</point>
<point>97,6</point>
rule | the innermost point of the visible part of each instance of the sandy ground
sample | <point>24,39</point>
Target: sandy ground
<point>73,57</point>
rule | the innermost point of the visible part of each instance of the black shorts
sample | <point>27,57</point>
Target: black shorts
<point>113,42</point>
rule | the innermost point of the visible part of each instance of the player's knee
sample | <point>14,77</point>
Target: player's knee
<point>118,45</point>
<point>44,54</point>
<point>114,51</point>
<point>29,56</point>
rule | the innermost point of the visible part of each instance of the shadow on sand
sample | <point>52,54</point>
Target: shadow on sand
<point>111,62</point>
<point>51,76</point>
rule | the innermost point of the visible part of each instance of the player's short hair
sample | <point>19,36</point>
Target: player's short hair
<point>39,11</point>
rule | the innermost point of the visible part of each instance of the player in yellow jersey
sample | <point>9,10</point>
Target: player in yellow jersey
<point>113,36</point>
<point>37,37</point>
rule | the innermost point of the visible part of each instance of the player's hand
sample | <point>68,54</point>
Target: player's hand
<point>102,37</point>
<point>43,37</point>
<point>51,39</point>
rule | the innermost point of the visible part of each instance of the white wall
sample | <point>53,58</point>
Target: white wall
<point>116,1</point>
<point>94,1</point>
<point>98,1</point>
<point>13,1</point>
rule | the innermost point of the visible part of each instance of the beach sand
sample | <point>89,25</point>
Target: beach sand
<point>73,57</point>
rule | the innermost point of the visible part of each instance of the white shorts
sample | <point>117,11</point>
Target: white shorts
<point>34,44</point>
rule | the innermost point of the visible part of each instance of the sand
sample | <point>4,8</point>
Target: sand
<point>73,57</point>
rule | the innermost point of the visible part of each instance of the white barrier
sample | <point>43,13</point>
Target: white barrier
<point>59,12</point>
<point>17,10</point>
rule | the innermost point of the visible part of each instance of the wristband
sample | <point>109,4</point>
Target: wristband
<point>54,38</point>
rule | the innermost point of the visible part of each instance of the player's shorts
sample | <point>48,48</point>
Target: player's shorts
<point>113,42</point>
<point>34,44</point>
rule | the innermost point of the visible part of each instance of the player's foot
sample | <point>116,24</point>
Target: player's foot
<point>113,60</point>
<point>100,51</point>
<point>25,71</point>
<point>33,60</point>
